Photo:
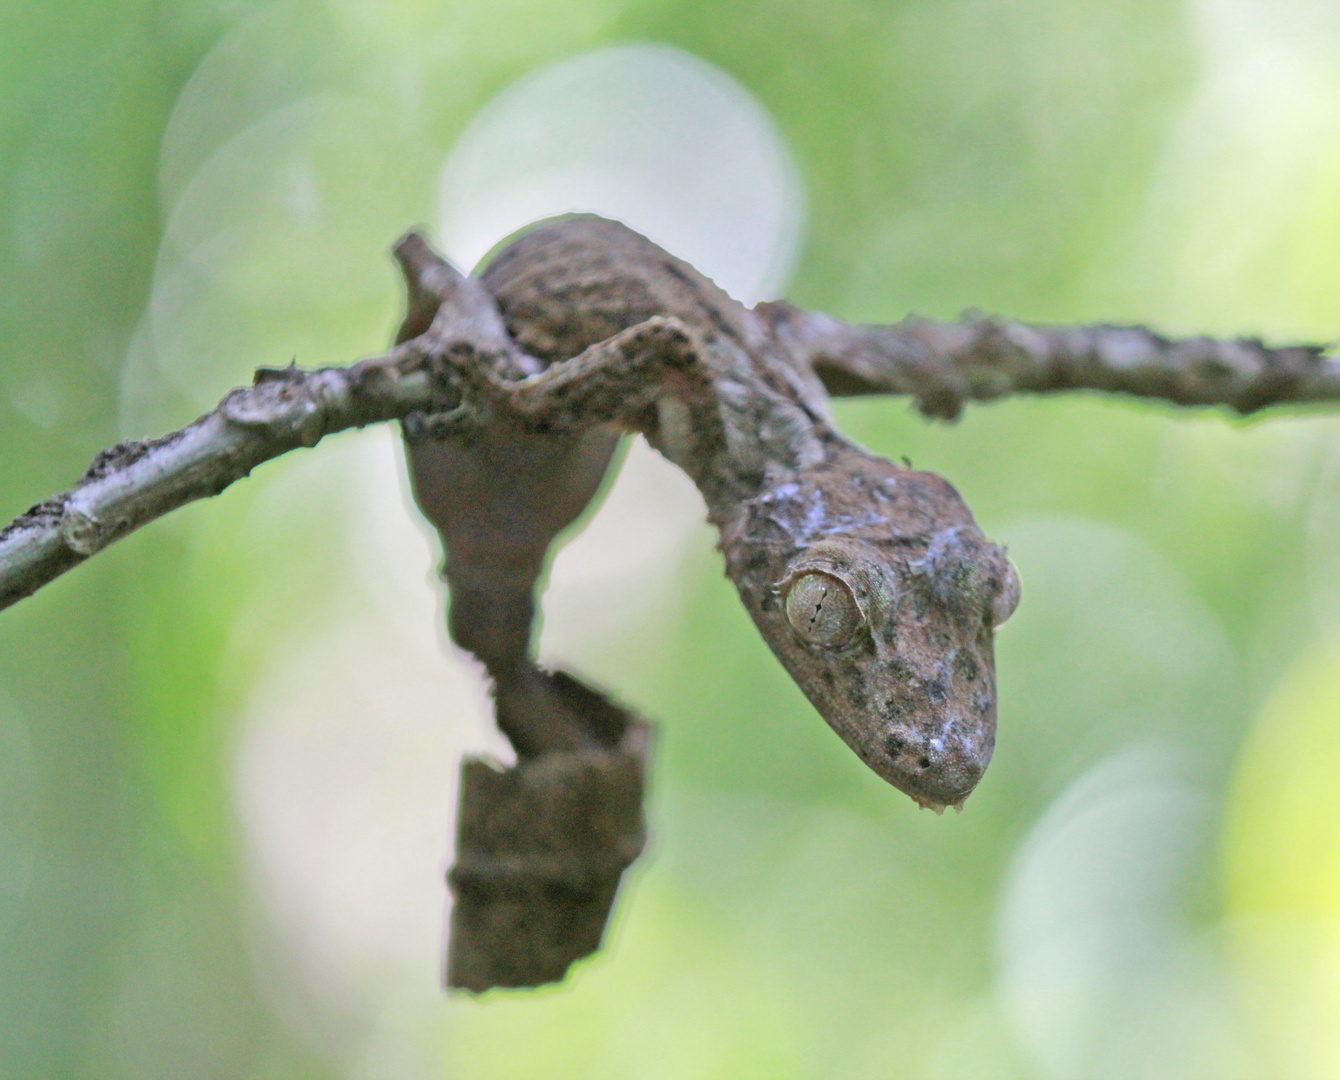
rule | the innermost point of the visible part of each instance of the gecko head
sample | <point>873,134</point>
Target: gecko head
<point>896,652</point>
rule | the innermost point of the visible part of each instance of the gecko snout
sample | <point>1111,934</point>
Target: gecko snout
<point>936,775</point>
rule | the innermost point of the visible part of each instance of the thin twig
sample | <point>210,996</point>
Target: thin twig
<point>941,365</point>
<point>133,483</point>
<point>944,365</point>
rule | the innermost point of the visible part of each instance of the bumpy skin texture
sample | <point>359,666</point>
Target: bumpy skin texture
<point>912,689</point>
<point>910,685</point>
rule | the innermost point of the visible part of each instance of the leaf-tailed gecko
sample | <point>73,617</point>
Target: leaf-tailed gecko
<point>870,582</point>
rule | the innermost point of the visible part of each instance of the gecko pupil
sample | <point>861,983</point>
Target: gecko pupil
<point>821,609</point>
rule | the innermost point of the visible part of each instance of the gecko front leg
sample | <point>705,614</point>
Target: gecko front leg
<point>656,378</point>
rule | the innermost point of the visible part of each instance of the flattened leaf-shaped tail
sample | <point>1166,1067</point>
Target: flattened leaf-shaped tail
<point>541,848</point>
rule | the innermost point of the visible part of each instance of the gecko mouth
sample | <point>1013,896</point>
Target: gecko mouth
<point>933,776</point>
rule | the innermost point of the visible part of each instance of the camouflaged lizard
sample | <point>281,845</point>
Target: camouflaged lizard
<point>869,581</point>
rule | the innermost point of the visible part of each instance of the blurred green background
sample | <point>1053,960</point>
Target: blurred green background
<point>228,746</point>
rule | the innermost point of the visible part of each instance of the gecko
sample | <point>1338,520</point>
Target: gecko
<point>870,581</point>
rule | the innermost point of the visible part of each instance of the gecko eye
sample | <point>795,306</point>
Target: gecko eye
<point>1007,595</point>
<point>822,609</point>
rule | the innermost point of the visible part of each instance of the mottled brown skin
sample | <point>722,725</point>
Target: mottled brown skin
<point>634,338</point>
<point>912,690</point>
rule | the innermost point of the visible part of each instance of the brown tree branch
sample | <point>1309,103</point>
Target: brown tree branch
<point>940,365</point>
<point>133,483</point>
<point>944,365</point>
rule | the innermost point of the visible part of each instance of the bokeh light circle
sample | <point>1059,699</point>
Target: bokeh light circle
<point>644,133</point>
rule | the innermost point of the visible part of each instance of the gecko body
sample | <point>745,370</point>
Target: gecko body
<point>870,582</point>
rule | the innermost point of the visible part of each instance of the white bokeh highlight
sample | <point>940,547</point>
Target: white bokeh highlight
<point>1099,973</point>
<point>647,134</point>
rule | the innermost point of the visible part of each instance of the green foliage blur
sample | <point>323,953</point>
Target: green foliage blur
<point>222,740</point>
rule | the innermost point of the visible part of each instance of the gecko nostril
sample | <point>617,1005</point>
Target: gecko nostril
<point>923,762</point>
